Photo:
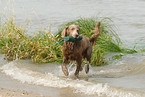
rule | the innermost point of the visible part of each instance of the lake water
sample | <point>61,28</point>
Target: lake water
<point>122,78</point>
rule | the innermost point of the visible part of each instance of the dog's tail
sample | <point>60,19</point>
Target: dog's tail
<point>96,34</point>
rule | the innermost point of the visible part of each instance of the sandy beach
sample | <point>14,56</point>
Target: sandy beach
<point>21,93</point>
<point>12,93</point>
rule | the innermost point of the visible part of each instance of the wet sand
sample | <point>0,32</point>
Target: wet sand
<point>12,93</point>
<point>21,93</point>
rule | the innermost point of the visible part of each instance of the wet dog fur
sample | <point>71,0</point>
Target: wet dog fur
<point>78,50</point>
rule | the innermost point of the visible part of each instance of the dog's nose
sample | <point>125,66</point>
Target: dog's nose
<point>77,35</point>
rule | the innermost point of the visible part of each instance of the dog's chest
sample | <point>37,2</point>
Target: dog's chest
<point>72,50</point>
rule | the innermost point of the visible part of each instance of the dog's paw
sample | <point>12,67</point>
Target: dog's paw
<point>81,68</point>
<point>65,71</point>
<point>76,76</point>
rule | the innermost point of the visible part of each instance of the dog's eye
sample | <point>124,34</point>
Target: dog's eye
<point>72,28</point>
<point>78,30</point>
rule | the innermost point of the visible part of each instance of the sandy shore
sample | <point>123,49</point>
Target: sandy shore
<point>12,93</point>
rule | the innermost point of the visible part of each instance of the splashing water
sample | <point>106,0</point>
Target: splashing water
<point>49,79</point>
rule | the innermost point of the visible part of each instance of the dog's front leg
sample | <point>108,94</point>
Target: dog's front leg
<point>64,68</point>
<point>79,62</point>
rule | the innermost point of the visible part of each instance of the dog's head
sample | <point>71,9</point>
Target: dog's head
<point>72,30</point>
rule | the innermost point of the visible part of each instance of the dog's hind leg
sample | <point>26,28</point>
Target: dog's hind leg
<point>89,52</point>
<point>87,67</point>
<point>64,68</point>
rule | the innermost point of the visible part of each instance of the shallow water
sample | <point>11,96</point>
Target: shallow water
<point>123,77</point>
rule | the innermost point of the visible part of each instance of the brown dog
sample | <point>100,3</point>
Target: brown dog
<point>78,50</point>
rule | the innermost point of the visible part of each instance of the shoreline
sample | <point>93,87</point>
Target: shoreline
<point>13,93</point>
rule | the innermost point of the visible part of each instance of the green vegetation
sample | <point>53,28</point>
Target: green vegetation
<point>15,43</point>
<point>42,47</point>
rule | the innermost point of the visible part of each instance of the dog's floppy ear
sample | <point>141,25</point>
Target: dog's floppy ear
<point>79,29</point>
<point>64,32</point>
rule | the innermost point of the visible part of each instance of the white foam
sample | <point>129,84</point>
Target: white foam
<point>50,80</point>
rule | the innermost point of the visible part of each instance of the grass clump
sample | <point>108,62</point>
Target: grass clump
<point>16,44</point>
<point>11,38</point>
<point>42,47</point>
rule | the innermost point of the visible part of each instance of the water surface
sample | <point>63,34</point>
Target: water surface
<point>124,77</point>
